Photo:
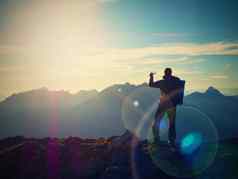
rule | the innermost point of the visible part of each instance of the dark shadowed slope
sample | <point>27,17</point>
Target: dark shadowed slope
<point>221,109</point>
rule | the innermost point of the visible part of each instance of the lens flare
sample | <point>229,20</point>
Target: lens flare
<point>196,141</point>
<point>134,108</point>
<point>191,143</point>
<point>196,145</point>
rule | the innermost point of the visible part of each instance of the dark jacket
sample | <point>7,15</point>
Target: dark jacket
<point>171,86</point>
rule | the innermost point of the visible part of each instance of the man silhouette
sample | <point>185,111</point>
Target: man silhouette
<point>171,94</point>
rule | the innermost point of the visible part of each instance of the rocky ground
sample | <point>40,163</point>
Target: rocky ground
<point>73,157</point>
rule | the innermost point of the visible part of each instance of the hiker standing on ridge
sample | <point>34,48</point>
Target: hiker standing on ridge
<point>171,94</point>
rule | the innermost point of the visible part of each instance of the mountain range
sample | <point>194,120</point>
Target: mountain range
<point>93,114</point>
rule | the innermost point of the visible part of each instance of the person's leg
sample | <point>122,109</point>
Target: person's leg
<point>156,125</point>
<point>172,124</point>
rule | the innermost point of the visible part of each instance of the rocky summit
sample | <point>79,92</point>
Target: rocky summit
<point>104,158</point>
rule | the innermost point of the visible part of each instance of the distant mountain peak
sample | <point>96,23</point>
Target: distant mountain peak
<point>213,91</point>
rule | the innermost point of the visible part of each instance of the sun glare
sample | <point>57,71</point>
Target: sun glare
<point>62,35</point>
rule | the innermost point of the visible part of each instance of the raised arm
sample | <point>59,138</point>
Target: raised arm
<point>152,83</point>
<point>151,80</point>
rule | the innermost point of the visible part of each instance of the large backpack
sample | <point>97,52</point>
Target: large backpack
<point>178,98</point>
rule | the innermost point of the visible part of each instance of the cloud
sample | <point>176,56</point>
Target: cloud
<point>219,77</point>
<point>107,1</point>
<point>177,60</point>
<point>169,34</point>
<point>179,49</point>
<point>12,68</point>
<point>188,72</point>
<point>11,49</point>
<point>227,66</point>
<point>184,49</point>
<point>124,59</point>
<point>194,49</point>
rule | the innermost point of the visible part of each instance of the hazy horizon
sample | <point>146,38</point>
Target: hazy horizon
<point>225,91</point>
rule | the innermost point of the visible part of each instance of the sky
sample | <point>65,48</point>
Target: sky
<point>77,45</point>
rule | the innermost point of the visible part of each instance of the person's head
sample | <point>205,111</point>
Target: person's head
<point>168,72</point>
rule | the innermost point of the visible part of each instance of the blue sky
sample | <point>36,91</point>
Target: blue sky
<point>192,20</point>
<point>78,44</point>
